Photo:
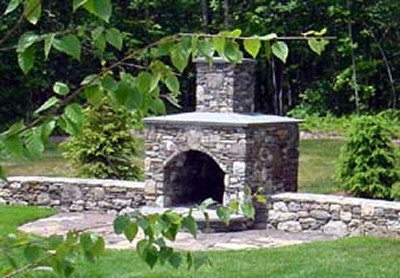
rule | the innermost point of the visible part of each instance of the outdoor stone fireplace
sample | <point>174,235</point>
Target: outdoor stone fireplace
<point>223,146</point>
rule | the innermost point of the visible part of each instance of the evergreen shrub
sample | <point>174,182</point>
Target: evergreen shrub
<point>367,163</point>
<point>105,148</point>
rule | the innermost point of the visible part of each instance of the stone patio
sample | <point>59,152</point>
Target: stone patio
<point>102,223</point>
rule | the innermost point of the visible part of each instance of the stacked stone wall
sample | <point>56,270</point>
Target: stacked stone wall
<point>222,87</point>
<point>225,145</point>
<point>73,194</point>
<point>333,215</point>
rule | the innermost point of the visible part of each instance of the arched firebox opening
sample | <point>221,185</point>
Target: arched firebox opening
<point>191,177</point>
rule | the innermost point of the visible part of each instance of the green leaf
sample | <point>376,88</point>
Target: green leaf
<point>193,45</point>
<point>172,84</point>
<point>252,46</point>
<point>248,210</point>
<point>33,142</point>
<point>54,241</point>
<point>94,94</point>
<point>179,58</point>
<point>100,42</point>
<point>68,125</point>
<point>61,89</point>
<point>26,59</point>
<point>234,206</point>
<point>190,224</point>
<point>15,129</point>
<point>155,78</point>
<point>163,49</point>
<point>280,50</point>
<point>175,260</point>
<point>147,252</point>
<point>189,260</point>
<point>46,129</point>
<point>172,232</point>
<point>268,37</point>
<point>76,4</point>
<point>32,252</point>
<point>308,33</point>
<point>119,224</point>
<point>224,214</point>
<point>165,254</point>
<point>114,37</point>
<point>99,246</point>
<point>317,45</point>
<point>261,199</point>
<point>206,203</point>
<point>14,146</point>
<point>48,104</point>
<point>48,43</point>
<point>200,259</point>
<point>173,217</point>
<point>86,241</point>
<point>70,45</point>
<point>92,79</point>
<point>75,113</point>
<point>158,107</point>
<point>26,41</point>
<point>109,83</point>
<point>232,52</point>
<point>236,33</point>
<point>97,32</point>
<point>206,49</point>
<point>100,8</point>
<point>144,82</point>
<point>219,44</point>
<point>322,32</point>
<point>12,5</point>
<point>130,230</point>
<point>32,10</point>
<point>121,94</point>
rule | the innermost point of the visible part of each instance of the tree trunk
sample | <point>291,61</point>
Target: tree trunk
<point>205,14</point>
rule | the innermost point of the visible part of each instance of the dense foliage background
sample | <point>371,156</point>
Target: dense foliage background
<point>356,73</point>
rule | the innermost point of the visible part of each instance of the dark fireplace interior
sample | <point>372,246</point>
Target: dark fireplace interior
<point>191,177</point>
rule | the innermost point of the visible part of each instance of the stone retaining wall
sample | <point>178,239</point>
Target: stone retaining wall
<point>290,212</point>
<point>73,194</point>
<point>334,215</point>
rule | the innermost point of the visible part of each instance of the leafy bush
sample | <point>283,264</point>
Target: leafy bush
<point>367,163</point>
<point>105,148</point>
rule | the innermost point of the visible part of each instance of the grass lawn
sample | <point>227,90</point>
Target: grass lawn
<point>13,216</point>
<point>317,165</point>
<point>50,164</point>
<point>350,257</point>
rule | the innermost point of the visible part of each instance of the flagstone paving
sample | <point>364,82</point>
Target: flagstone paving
<point>102,223</point>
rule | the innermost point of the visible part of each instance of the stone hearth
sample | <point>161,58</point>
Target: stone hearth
<point>223,146</point>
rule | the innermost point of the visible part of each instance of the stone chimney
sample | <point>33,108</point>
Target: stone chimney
<point>222,87</point>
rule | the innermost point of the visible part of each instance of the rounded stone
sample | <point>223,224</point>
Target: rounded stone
<point>336,228</point>
<point>290,226</point>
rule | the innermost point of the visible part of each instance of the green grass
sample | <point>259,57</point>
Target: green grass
<point>352,257</point>
<point>50,164</point>
<point>317,165</point>
<point>13,216</point>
